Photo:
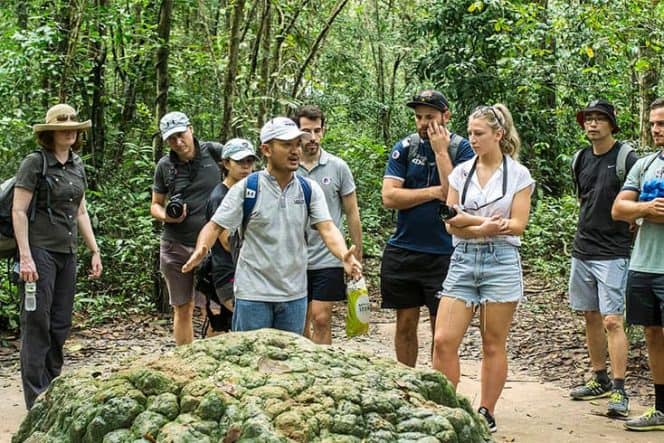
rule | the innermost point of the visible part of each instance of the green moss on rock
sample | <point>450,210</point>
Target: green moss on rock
<point>263,386</point>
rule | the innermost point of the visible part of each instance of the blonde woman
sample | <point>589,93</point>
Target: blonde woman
<point>491,195</point>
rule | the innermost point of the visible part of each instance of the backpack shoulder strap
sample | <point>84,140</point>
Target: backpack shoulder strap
<point>651,158</point>
<point>413,143</point>
<point>250,196</point>
<point>575,172</point>
<point>621,163</point>
<point>306,190</point>
<point>453,148</point>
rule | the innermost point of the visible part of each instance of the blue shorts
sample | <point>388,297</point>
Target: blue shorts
<point>484,273</point>
<point>598,285</point>
<point>286,316</point>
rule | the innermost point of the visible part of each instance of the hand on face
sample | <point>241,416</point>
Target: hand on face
<point>439,137</point>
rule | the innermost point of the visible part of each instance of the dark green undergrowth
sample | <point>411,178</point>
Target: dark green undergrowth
<point>547,242</point>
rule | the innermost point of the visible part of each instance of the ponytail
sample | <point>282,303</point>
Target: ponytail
<point>498,117</point>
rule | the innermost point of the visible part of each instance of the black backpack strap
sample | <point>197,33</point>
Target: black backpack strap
<point>46,180</point>
<point>575,171</point>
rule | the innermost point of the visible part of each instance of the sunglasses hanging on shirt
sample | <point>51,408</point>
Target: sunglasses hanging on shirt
<point>467,183</point>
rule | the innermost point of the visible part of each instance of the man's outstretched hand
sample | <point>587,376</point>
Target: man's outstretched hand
<point>195,259</point>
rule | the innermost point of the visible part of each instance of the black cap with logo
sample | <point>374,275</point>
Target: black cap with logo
<point>431,98</point>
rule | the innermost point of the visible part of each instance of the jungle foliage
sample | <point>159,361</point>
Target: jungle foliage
<point>231,64</point>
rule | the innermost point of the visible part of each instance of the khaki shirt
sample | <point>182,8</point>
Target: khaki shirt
<point>57,231</point>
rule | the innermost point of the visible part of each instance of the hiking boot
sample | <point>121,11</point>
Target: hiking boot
<point>651,420</point>
<point>490,421</point>
<point>591,390</point>
<point>618,404</point>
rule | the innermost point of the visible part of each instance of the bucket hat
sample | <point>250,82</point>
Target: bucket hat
<point>601,106</point>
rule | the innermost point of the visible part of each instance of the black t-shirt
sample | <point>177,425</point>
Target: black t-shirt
<point>598,236</point>
<point>193,180</point>
<point>223,268</point>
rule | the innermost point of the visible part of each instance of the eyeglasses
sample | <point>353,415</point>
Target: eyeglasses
<point>67,117</point>
<point>595,118</point>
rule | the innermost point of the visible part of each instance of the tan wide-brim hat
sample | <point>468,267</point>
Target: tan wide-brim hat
<point>61,118</point>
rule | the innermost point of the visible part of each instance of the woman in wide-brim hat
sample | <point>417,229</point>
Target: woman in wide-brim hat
<point>47,242</point>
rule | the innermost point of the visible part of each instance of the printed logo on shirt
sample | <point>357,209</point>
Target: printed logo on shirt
<point>419,161</point>
<point>298,201</point>
<point>611,166</point>
<point>326,180</point>
<point>395,154</point>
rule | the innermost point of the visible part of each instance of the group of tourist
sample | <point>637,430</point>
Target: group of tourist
<point>279,258</point>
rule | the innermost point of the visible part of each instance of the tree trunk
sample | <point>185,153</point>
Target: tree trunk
<point>264,106</point>
<point>69,43</point>
<point>648,81</point>
<point>22,14</point>
<point>161,105</point>
<point>97,110</point>
<point>231,71</point>
<point>314,48</point>
<point>284,29</point>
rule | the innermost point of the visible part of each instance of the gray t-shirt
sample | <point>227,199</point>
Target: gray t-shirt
<point>648,252</point>
<point>272,263</point>
<point>194,180</point>
<point>335,179</point>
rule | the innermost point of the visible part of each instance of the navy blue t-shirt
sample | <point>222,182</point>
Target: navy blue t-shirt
<point>419,228</point>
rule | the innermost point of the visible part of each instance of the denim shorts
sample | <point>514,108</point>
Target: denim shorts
<point>598,285</point>
<point>484,273</point>
<point>286,316</point>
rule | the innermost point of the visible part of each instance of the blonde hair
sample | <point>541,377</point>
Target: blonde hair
<point>498,117</point>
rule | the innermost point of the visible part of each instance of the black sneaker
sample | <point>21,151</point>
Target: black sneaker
<point>490,421</point>
<point>591,390</point>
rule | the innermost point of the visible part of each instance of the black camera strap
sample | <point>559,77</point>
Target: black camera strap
<point>193,165</point>
<point>470,177</point>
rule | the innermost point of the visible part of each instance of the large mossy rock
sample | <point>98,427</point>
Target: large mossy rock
<point>262,386</point>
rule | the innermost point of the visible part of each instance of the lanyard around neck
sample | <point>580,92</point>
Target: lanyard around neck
<point>470,177</point>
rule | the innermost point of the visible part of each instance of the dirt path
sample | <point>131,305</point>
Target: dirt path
<point>528,411</point>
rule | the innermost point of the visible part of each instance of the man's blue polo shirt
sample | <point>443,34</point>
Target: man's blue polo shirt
<point>419,228</point>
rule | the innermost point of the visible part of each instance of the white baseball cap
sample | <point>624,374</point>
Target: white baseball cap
<point>281,128</point>
<point>172,123</point>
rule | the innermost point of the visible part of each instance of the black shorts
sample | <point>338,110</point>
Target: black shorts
<point>645,299</point>
<point>410,279</point>
<point>326,284</point>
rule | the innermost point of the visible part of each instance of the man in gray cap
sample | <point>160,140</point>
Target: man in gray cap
<point>270,278</point>
<point>183,181</point>
<point>600,254</point>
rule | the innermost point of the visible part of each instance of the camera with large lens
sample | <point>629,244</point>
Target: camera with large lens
<point>446,212</point>
<point>175,206</point>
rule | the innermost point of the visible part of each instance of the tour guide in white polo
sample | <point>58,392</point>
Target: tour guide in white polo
<point>271,274</point>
